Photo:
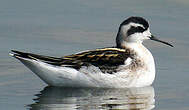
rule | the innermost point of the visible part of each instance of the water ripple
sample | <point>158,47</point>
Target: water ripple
<point>53,98</point>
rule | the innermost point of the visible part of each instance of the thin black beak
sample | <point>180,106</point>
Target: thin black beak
<point>155,39</point>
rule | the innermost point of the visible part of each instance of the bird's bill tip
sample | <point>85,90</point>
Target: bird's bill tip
<point>156,39</point>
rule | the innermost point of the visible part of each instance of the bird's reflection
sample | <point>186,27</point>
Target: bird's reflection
<point>53,98</point>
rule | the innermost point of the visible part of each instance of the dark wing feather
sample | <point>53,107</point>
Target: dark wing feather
<point>107,59</point>
<point>47,59</point>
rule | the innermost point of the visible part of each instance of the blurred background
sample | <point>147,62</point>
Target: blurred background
<point>62,27</point>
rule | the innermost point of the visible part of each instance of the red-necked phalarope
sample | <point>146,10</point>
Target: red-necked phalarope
<point>128,64</point>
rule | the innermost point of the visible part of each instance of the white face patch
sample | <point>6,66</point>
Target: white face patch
<point>147,34</point>
<point>125,28</point>
<point>136,25</point>
<point>138,36</point>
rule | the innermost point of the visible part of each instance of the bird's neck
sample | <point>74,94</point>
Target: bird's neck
<point>137,47</point>
<point>141,53</point>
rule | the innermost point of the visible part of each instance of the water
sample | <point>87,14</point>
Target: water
<point>63,27</point>
<point>94,98</point>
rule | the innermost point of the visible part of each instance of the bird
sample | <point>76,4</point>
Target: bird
<point>127,64</point>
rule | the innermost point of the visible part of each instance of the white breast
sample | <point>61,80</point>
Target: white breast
<point>146,75</point>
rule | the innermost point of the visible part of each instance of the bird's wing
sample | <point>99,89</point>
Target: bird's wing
<point>107,59</point>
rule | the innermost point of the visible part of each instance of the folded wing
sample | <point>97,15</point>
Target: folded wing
<point>106,59</point>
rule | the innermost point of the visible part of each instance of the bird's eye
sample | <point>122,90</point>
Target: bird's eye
<point>140,28</point>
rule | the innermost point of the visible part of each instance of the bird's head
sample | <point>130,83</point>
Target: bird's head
<point>135,30</point>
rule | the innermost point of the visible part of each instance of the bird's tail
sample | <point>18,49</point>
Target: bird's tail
<point>52,75</point>
<point>46,59</point>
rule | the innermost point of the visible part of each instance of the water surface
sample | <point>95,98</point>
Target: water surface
<point>61,27</point>
<point>94,98</point>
